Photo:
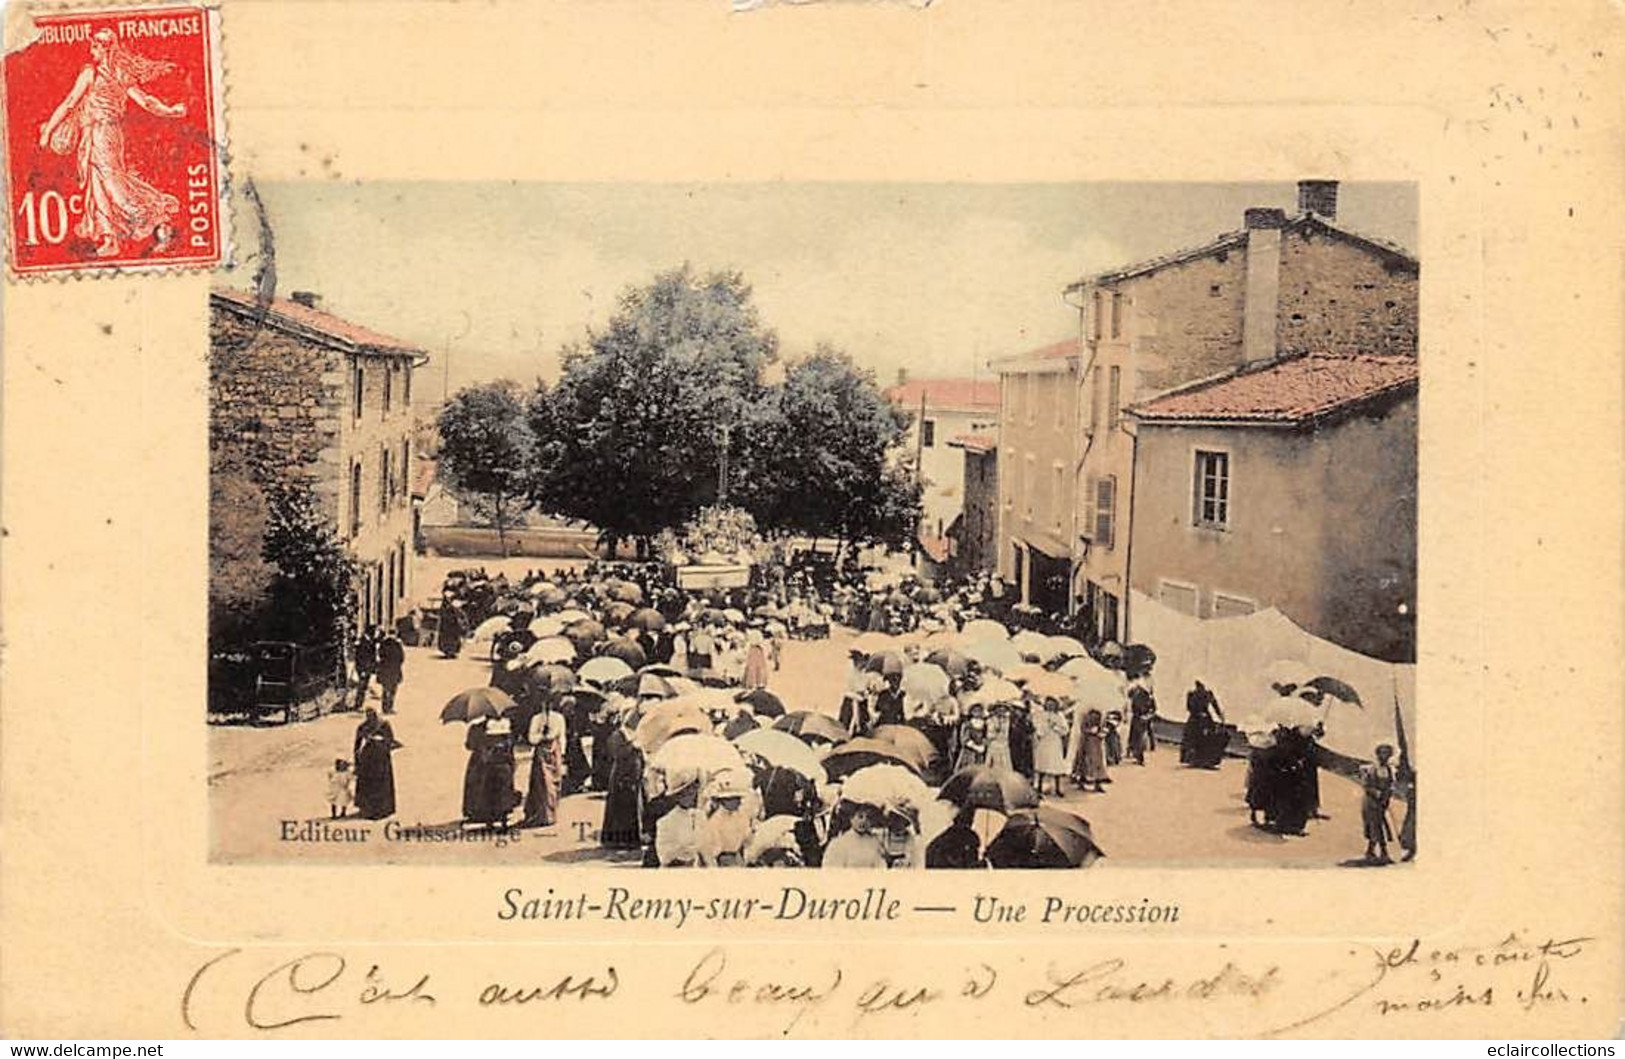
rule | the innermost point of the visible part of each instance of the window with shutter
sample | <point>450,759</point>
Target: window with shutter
<point>1114,398</point>
<point>1105,509</point>
<point>355,498</point>
<point>1086,525</point>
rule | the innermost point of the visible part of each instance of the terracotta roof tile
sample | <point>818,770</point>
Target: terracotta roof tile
<point>968,394</point>
<point>975,442</point>
<point>1286,392</point>
<point>283,310</point>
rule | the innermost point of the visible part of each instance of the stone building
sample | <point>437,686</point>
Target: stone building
<point>975,533</point>
<point>942,409</point>
<point>1292,485</point>
<point>1279,287</point>
<point>1038,445</point>
<point>301,396</point>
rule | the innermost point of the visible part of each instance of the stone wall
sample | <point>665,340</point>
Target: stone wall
<point>978,528</point>
<point>274,404</point>
<point>1339,298</point>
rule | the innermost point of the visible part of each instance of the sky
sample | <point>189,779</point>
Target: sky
<point>492,279</point>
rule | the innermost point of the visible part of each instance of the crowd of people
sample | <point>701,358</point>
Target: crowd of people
<point>953,738</point>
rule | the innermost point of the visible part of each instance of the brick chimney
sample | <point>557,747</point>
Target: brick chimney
<point>307,298</point>
<point>1263,292</point>
<point>1318,197</point>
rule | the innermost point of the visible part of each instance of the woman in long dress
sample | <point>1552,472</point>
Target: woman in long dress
<point>546,736</point>
<point>1203,743</point>
<point>998,738</point>
<point>488,781</point>
<point>374,769</point>
<point>118,204</point>
<point>1092,752</point>
<point>1050,729</point>
<point>623,803</point>
<point>755,661</point>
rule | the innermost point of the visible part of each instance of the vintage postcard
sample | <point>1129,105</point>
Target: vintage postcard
<point>1059,517</point>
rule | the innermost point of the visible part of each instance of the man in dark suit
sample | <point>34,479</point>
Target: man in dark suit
<point>391,668</point>
<point>366,663</point>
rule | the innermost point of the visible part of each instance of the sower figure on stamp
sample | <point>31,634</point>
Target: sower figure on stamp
<point>118,204</point>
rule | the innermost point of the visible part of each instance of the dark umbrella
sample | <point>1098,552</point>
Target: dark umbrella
<point>628,651</point>
<point>886,663</point>
<point>1337,690</point>
<point>738,725</point>
<point>927,594</point>
<point>808,725</point>
<point>952,662</point>
<point>551,596</point>
<point>709,678</point>
<point>475,703</point>
<point>648,619</point>
<point>555,679</point>
<point>763,702</point>
<point>1043,838</point>
<point>986,787</point>
<point>860,753</point>
<point>619,613</point>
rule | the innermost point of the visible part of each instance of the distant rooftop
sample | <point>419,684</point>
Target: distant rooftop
<point>1288,392</point>
<point>1392,253</point>
<point>299,318</point>
<point>974,442</point>
<point>952,395</point>
<point>1042,359</point>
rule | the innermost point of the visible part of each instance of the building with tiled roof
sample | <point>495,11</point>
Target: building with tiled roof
<point>1281,287</point>
<point>1289,393</point>
<point>941,409</point>
<point>975,531</point>
<point>1289,485</point>
<point>302,398</point>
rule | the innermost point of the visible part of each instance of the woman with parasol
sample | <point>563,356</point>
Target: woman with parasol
<point>488,781</point>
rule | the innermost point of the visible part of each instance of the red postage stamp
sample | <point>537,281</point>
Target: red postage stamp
<point>114,141</point>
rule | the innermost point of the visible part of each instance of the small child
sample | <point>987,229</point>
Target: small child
<point>1114,739</point>
<point>340,789</point>
<point>1377,782</point>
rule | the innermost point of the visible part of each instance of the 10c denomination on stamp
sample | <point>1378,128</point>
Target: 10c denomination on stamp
<point>114,141</point>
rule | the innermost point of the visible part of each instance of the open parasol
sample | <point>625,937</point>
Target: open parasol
<point>951,660</point>
<point>552,649</point>
<point>925,682</point>
<point>994,690</point>
<point>1030,645</point>
<point>871,643</point>
<point>864,752</point>
<point>475,703</point>
<point>994,654</point>
<point>783,750</point>
<point>1044,837</point>
<point>762,702</point>
<point>546,626</point>
<point>1337,689</point>
<point>1063,647</point>
<point>662,721</point>
<point>983,630</point>
<point>886,663</point>
<point>887,787</point>
<point>491,628</point>
<point>809,725</point>
<point>604,670</point>
<point>648,619</point>
<point>626,650</point>
<point>988,787</point>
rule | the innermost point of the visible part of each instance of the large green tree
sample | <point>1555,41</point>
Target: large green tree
<point>487,452</point>
<point>834,466</point>
<point>631,437</point>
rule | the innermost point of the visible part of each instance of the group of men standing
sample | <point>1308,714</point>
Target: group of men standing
<point>379,654</point>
